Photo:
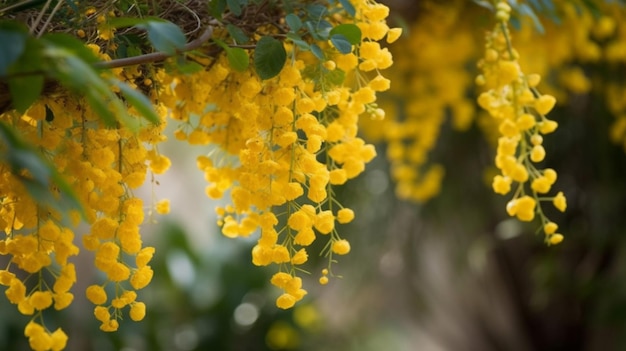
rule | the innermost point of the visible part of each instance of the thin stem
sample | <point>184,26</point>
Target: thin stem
<point>155,56</point>
<point>54,10</point>
<point>39,17</point>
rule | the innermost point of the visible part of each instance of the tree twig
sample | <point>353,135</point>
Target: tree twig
<point>156,56</point>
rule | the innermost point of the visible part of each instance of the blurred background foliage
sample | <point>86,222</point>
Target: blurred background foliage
<point>454,273</point>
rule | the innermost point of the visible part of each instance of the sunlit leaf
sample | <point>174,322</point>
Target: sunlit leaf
<point>351,32</point>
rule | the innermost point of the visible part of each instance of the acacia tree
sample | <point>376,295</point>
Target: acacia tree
<point>277,89</point>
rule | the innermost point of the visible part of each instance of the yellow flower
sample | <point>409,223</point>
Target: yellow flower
<point>501,185</point>
<point>544,104</point>
<point>300,257</point>
<point>345,215</point>
<point>555,239</point>
<point>537,153</point>
<point>541,185</point>
<point>141,278</point>
<point>137,311</point>
<point>393,34</point>
<point>324,222</point>
<point>144,256</point>
<point>550,228</point>
<point>41,300</point>
<point>341,247</point>
<point>285,301</point>
<point>305,237</point>
<point>163,206</point>
<point>560,202</point>
<point>59,340</point>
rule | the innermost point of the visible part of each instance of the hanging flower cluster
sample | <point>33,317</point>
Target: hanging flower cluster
<point>430,81</point>
<point>512,98</point>
<point>286,142</point>
<point>279,144</point>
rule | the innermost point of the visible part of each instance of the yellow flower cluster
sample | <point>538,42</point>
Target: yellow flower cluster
<point>512,98</point>
<point>430,78</point>
<point>102,166</point>
<point>284,143</point>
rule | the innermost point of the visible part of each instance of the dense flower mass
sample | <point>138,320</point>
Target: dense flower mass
<point>511,98</point>
<point>278,139</point>
<point>279,147</point>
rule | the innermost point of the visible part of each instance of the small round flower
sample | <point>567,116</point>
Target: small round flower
<point>560,202</point>
<point>501,185</point>
<point>555,239</point>
<point>96,294</point>
<point>137,311</point>
<point>541,185</point>
<point>544,104</point>
<point>341,247</point>
<point>538,153</point>
<point>550,228</point>
<point>163,206</point>
<point>393,34</point>
<point>285,301</point>
<point>323,280</point>
<point>41,300</point>
<point>345,215</point>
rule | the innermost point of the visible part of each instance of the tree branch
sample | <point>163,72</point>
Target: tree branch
<point>156,56</point>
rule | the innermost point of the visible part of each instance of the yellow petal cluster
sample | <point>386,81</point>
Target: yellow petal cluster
<point>511,98</point>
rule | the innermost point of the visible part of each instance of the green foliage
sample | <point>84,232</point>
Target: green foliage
<point>237,34</point>
<point>14,37</point>
<point>349,31</point>
<point>237,57</point>
<point>269,57</point>
<point>164,36</point>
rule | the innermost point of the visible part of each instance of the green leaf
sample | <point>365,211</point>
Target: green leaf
<point>294,22</point>
<point>79,76</point>
<point>319,30</point>
<point>71,44</point>
<point>316,11</point>
<point>217,8</point>
<point>317,51</point>
<point>234,7</point>
<point>238,59</point>
<point>139,101</point>
<point>524,9</point>
<point>237,34</point>
<point>12,44</point>
<point>341,43</point>
<point>188,67</point>
<point>25,90</point>
<point>165,36</point>
<point>348,7</point>
<point>269,57</point>
<point>351,32</point>
<point>296,39</point>
<point>27,84</point>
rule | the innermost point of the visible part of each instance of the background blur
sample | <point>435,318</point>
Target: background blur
<point>454,273</point>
